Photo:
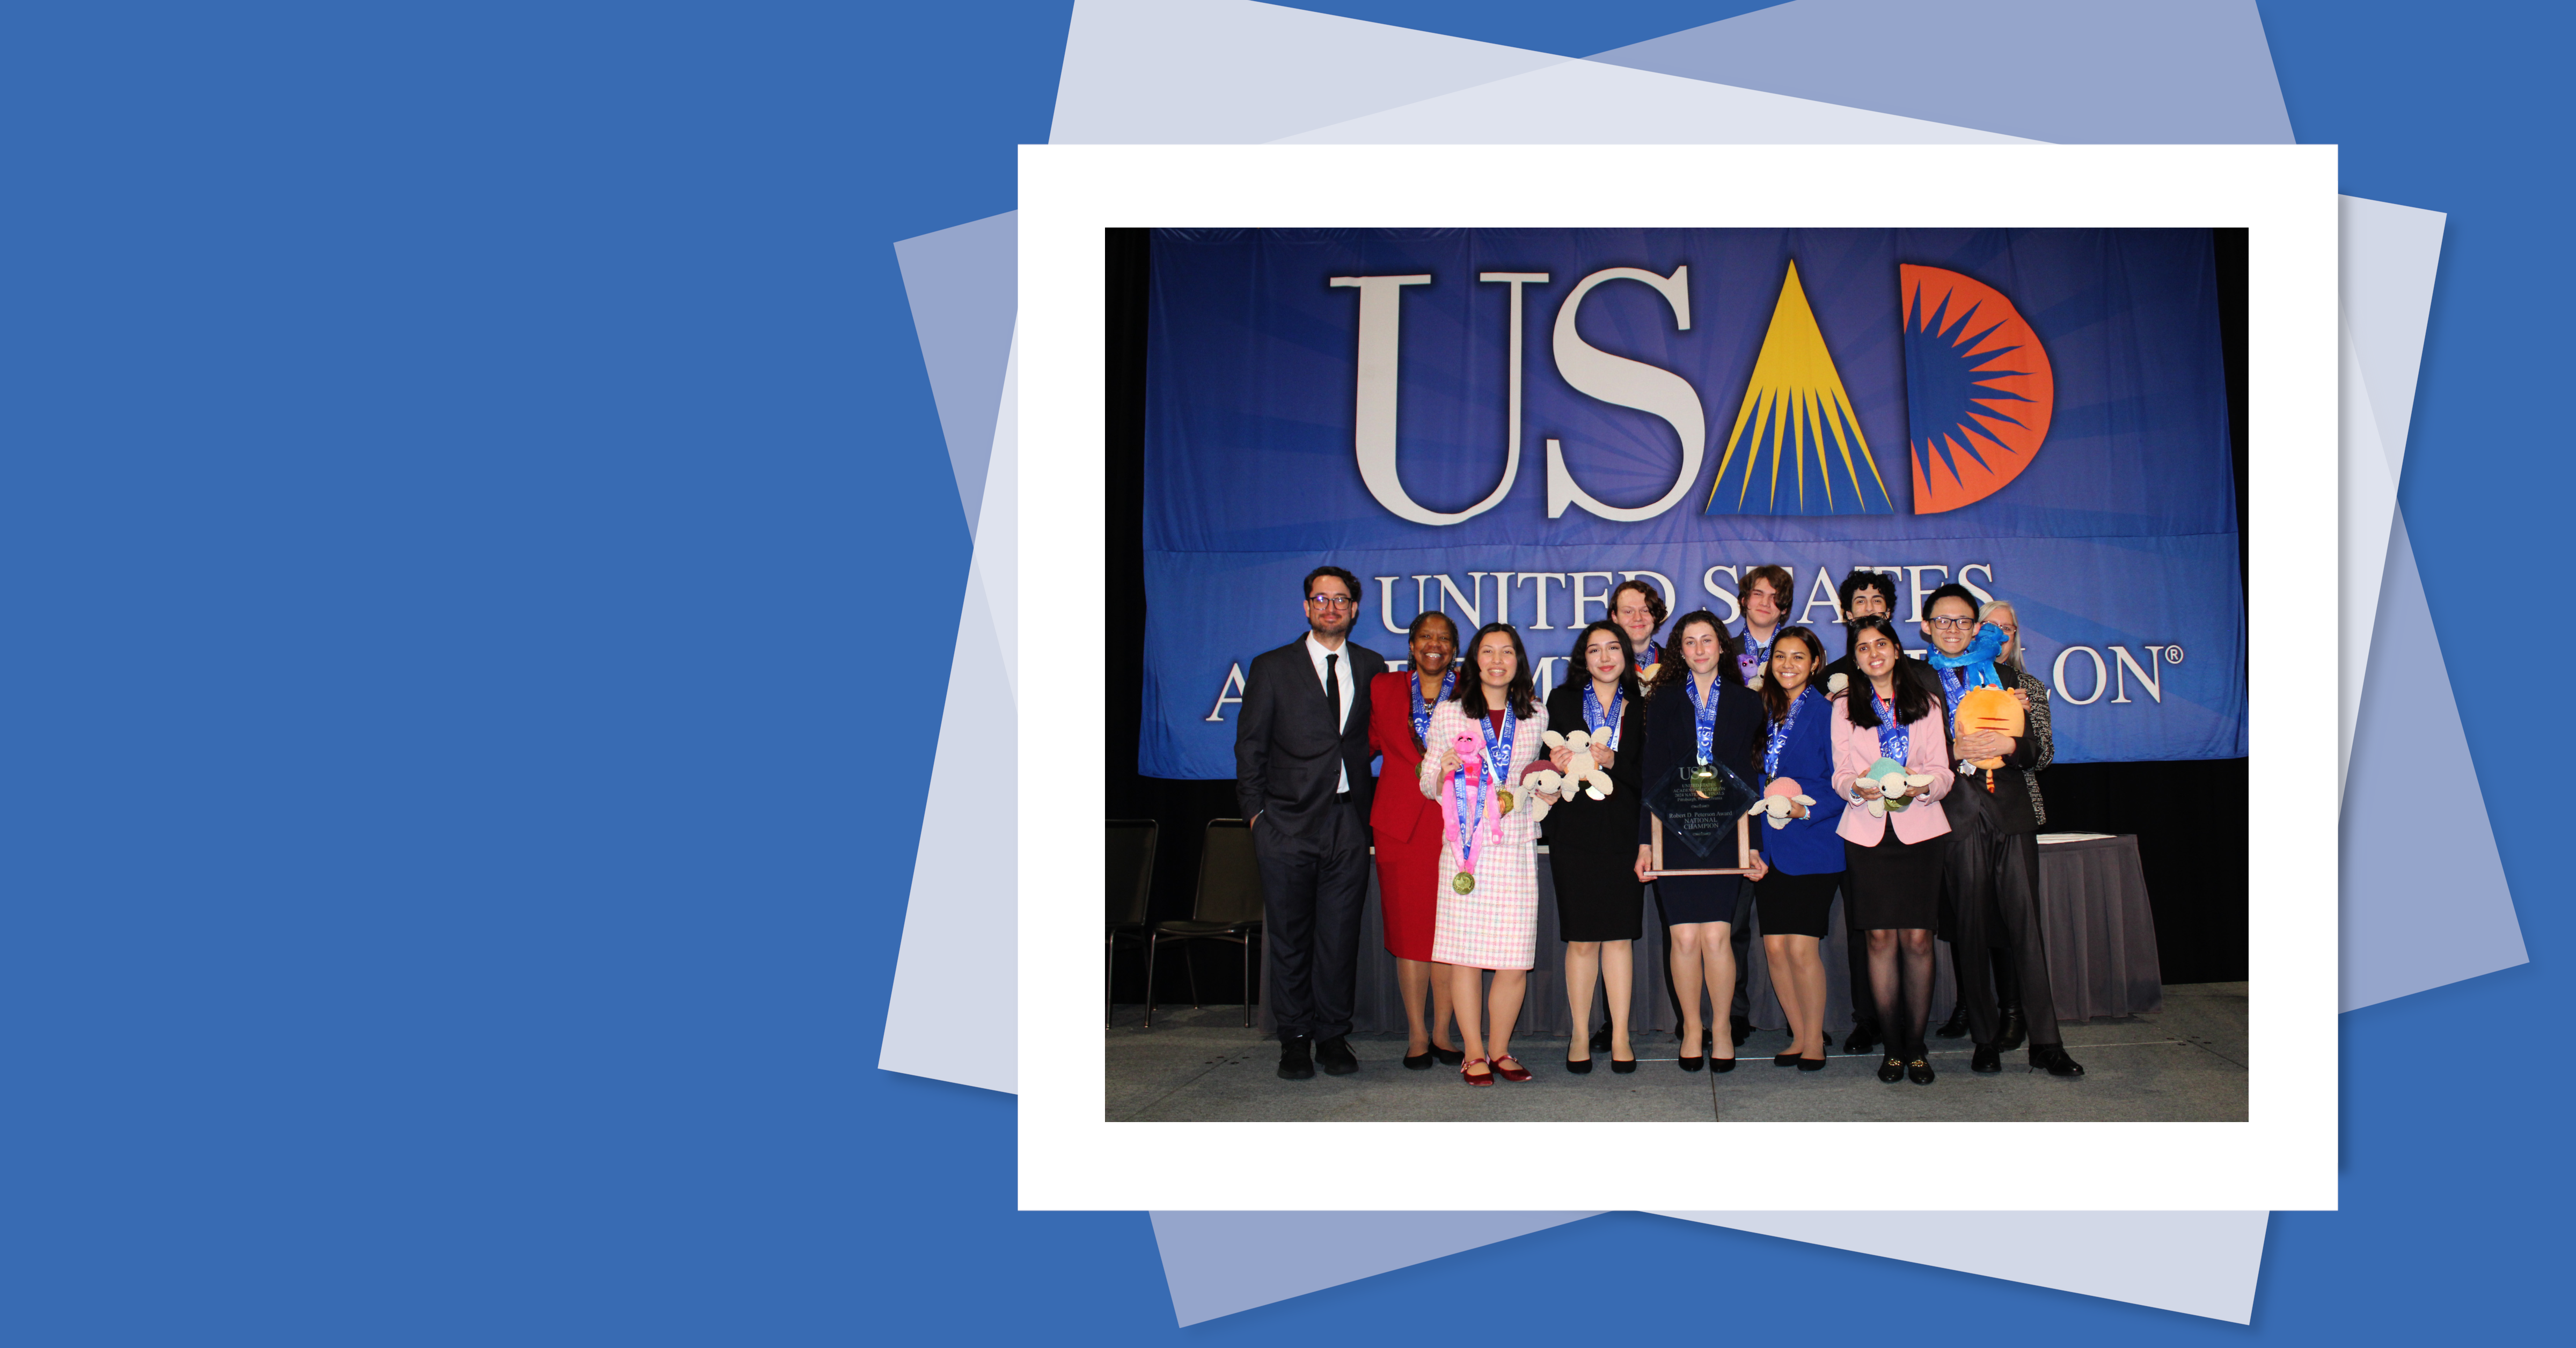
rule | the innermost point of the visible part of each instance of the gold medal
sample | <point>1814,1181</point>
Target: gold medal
<point>1505,799</point>
<point>1464,884</point>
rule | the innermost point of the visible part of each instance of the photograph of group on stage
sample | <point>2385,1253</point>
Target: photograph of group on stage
<point>1669,674</point>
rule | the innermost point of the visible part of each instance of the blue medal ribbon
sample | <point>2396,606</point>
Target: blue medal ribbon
<point>1422,709</point>
<point>1955,685</point>
<point>1703,714</point>
<point>1780,736</point>
<point>1498,754</point>
<point>1594,719</point>
<point>1895,738</point>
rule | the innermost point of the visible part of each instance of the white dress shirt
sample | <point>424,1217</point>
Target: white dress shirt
<point>1342,674</point>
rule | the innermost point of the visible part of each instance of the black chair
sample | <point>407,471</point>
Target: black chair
<point>1131,886</point>
<point>1227,908</point>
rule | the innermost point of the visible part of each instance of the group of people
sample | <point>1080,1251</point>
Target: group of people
<point>1954,853</point>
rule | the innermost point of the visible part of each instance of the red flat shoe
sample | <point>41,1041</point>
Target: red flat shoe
<point>1473,1080</point>
<point>1515,1072</point>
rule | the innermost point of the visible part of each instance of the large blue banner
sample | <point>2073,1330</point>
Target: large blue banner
<point>1505,424</point>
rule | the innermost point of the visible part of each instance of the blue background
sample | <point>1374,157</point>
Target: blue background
<point>456,847</point>
<point>2120,531</point>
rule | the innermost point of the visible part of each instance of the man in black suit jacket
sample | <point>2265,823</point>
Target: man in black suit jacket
<point>1301,774</point>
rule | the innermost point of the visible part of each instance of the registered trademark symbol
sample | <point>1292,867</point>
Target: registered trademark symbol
<point>2173,655</point>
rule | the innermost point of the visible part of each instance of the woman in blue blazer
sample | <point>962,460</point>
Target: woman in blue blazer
<point>1803,859</point>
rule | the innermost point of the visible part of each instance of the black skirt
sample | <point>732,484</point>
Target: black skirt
<point>1796,905</point>
<point>1592,855</point>
<point>1894,885</point>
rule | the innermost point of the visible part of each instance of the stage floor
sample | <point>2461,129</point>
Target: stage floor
<point>2183,1064</point>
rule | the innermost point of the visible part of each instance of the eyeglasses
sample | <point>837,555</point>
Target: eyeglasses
<point>1331,600</point>
<point>1953,624</point>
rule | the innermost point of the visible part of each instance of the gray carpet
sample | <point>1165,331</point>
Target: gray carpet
<point>2183,1064</point>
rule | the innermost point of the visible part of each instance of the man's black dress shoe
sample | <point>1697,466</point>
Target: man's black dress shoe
<point>1336,1057</point>
<point>1743,1031</point>
<point>1864,1037</point>
<point>1987,1058</point>
<point>1892,1070</point>
<point>1601,1040</point>
<point>1956,1027</point>
<point>2015,1029</point>
<point>2053,1057</point>
<point>1451,1056</point>
<point>1296,1058</point>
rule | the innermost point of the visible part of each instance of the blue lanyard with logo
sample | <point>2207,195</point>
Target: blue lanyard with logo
<point>1594,719</point>
<point>1956,685</point>
<point>1895,738</point>
<point>1703,714</point>
<point>1780,735</point>
<point>1422,709</point>
<point>1498,753</point>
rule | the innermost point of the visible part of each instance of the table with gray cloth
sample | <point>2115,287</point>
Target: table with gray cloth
<point>2093,900</point>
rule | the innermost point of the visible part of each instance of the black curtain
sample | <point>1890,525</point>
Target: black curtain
<point>2192,819</point>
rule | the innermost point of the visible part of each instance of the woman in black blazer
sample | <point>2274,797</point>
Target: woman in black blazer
<point>1702,682</point>
<point>1590,843</point>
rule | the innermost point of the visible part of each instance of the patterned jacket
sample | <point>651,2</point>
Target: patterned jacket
<point>2035,726</point>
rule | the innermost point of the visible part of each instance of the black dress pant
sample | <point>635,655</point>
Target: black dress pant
<point>1994,892</point>
<point>1314,888</point>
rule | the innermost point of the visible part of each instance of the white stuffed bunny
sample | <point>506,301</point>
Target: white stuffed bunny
<point>1586,768</point>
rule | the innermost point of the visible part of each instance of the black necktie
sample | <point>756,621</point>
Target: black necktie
<point>1333,687</point>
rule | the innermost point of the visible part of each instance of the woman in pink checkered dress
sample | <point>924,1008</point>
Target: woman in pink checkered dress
<point>1493,923</point>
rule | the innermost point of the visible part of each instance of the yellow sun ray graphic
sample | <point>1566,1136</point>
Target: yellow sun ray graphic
<point>1793,405</point>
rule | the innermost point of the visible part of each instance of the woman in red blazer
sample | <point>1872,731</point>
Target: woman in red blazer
<point>1407,829</point>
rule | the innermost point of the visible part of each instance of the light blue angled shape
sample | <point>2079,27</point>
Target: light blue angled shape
<point>2177,72</point>
<point>963,283</point>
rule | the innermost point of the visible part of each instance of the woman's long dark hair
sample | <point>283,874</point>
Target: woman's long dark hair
<point>1674,669</point>
<point>1913,700</point>
<point>1522,694</point>
<point>1627,659</point>
<point>1773,700</point>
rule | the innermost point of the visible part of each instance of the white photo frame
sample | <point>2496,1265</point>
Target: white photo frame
<point>2283,1157</point>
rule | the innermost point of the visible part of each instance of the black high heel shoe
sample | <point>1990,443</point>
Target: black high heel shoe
<point>1811,1064</point>
<point>1579,1067</point>
<point>1693,1063</point>
<point>1451,1056</point>
<point>1717,1064</point>
<point>1892,1070</point>
<point>1418,1061</point>
<point>1623,1066</point>
<point>1787,1059</point>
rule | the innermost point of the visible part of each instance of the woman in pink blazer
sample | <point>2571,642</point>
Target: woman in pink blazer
<point>1892,861</point>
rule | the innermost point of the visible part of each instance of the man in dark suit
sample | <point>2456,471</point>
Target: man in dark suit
<point>1301,774</point>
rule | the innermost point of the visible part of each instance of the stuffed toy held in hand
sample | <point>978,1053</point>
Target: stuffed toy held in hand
<point>1987,705</point>
<point>1584,772</point>
<point>1892,780</point>
<point>1777,800</point>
